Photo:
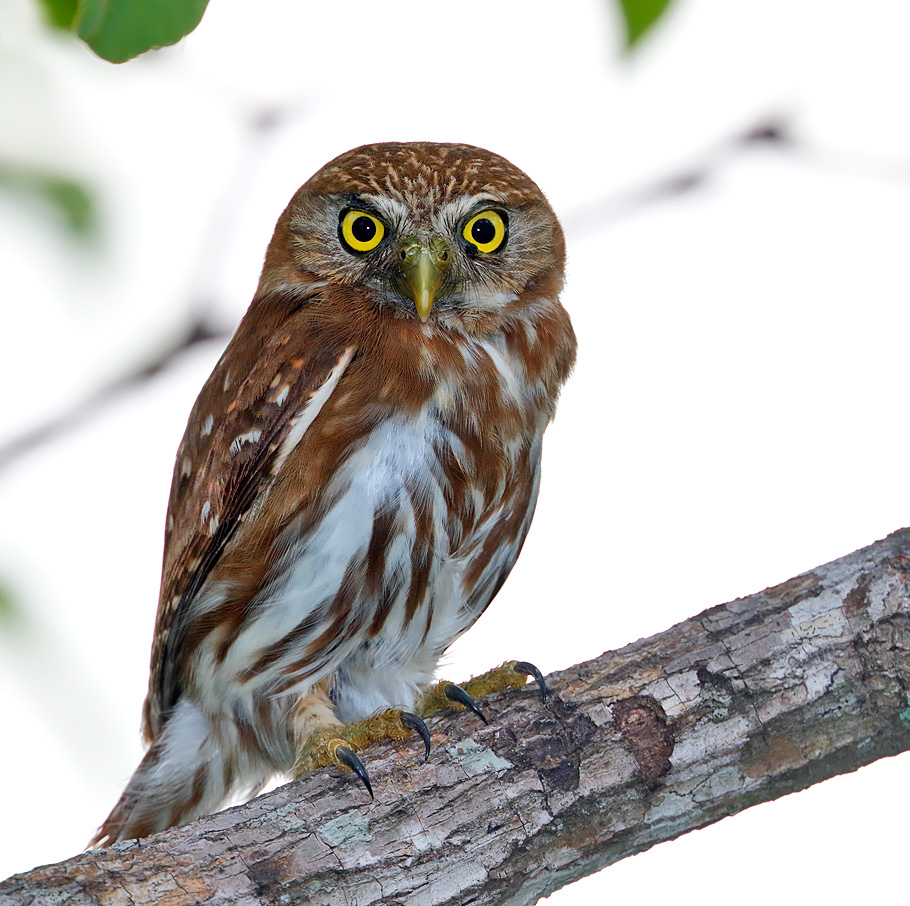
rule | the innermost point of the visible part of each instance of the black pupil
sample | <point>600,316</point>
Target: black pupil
<point>363,229</point>
<point>483,231</point>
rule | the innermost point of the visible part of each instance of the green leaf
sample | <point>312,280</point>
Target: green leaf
<point>118,30</point>
<point>70,200</point>
<point>639,17</point>
<point>59,12</point>
<point>10,615</point>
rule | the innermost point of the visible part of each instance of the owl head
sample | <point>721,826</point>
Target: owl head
<point>444,233</point>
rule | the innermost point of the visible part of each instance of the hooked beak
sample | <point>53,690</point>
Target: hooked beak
<point>424,262</point>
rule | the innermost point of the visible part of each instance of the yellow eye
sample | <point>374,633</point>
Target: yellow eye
<point>360,232</point>
<point>486,231</point>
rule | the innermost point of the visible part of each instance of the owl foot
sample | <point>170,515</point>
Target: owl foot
<point>511,675</point>
<point>338,746</point>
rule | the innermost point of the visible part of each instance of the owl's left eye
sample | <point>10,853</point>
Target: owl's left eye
<point>359,231</point>
<point>486,231</point>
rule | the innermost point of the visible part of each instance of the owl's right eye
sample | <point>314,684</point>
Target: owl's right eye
<point>359,231</point>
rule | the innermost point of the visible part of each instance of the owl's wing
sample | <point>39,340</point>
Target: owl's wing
<point>269,385</point>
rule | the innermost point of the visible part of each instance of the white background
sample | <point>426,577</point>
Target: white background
<point>738,414</point>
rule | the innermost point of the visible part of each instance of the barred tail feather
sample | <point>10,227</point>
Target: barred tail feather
<point>185,773</point>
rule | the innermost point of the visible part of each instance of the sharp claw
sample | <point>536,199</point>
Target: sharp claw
<point>349,759</point>
<point>413,722</point>
<point>529,669</point>
<point>457,694</point>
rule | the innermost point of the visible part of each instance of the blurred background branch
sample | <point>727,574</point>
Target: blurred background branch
<point>199,330</point>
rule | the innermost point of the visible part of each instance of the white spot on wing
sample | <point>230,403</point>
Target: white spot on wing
<point>206,509</point>
<point>207,426</point>
<point>251,437</point>
<point>313,407</point>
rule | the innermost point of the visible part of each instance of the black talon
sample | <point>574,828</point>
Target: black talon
<point>457,694</point>
<point>529,669</point>
<point>350,760</point>
<point>413,722</point>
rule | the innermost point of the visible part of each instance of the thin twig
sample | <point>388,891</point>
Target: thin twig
<point>201,330</point>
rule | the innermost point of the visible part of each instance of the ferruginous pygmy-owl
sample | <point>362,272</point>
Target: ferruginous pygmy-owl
<point>358,474</point>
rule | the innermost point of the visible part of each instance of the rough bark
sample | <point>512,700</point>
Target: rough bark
<point>741,704</point>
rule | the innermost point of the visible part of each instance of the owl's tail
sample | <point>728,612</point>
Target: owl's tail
<point>186,772</point>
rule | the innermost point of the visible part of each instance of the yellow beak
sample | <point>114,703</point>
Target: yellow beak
<point>424,261</point>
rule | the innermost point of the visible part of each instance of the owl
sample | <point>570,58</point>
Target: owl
<point>357,476</point>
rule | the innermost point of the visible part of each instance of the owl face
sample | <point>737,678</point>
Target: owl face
<point>443,233</point>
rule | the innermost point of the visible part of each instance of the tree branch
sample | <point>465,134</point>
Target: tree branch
<point>741,704</point>
<point>199,330</point>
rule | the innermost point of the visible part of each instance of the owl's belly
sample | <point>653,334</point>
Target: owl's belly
<point>368,596</point>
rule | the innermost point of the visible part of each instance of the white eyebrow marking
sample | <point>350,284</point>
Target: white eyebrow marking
<point>392,210</point>
<point>453,211</point>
